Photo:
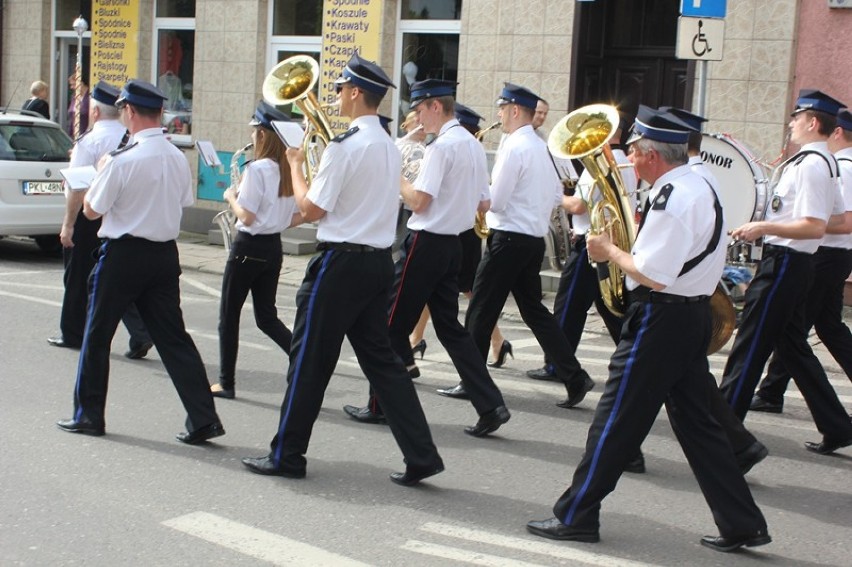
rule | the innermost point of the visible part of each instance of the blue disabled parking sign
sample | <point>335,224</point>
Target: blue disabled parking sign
<point>703,8</point>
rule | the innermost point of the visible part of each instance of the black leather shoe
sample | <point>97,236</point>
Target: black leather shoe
<point>135,353</point>
<point>219,391</point>
<point>723,543</point>
<point>554,529</point>
<point>489,422</point>
<point>544,373</point>
<point>636,465</point>
<point>827,446</point>
<point>413,475</point>
<point>413,371</point>
<point>74,426</point>
<point>456,391</point>
<point>419,348</point>
<point>755,453</point>
<point>264,465</point>
<point>759,404</point>
<point>364,415</point>
<point>201,434</point>
<point>577,393</point>
<point>62,343</point>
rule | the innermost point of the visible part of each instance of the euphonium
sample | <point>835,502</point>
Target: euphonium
<point>226,220</point>
<point>480,227</point>
<point>583,134</point>
<point>293,81</point>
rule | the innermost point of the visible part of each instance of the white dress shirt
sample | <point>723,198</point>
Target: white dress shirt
<point>258,194</point>
<point>524,185</point>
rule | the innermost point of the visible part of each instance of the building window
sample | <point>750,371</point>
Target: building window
<point>425,49</point>
<point>295,29</point>
<point>431,9</point>
<point>174,44</point>
<point>297,18</point>
<point>175,8</point>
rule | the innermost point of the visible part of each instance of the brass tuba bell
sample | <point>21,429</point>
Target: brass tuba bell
<point>293,81</point>
<point>583,134</point>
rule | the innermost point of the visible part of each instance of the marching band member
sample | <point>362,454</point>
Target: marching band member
<point>140,192</point>
<point>682,226</point>
<point>832,265</point>
<point>524,190</point>
<point>451,186</point>
<point>79,235</point>
<point>264,206</point>
<point>775,302</point>
<point>354,197</point>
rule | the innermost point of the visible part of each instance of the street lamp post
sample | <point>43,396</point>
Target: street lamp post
<point>80,26</point>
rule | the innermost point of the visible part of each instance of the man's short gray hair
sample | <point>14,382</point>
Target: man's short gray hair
<point>108,111</point>
<point>673,154</point>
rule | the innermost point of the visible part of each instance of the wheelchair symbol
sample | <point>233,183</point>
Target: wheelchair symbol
<point>700,46</point>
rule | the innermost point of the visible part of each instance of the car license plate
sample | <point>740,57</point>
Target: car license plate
<point>42,187</point>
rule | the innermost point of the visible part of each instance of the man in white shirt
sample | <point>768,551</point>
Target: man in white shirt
<point>524,189</point>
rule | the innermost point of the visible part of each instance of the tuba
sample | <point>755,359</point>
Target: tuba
<point>480,227</point>
<point>226,220</point>
<point>583,134</point>
<point>292,81</point>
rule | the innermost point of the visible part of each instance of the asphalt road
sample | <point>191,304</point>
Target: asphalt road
<point>138,497</point>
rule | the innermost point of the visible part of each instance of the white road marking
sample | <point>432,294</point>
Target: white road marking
<point>561,551</point>
<point>463,555</point>
<point>201,286</point>
<point>260,544</point>
<point>31,298</point>
<point>243,344</point>
<point>30,273</point>
<point>29,285</point>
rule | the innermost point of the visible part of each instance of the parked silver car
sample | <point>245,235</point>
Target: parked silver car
<point>32,151</point>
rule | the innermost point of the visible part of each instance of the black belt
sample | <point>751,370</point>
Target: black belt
<point>645,295</point>
<point>349,247</point>
<point>775,249</point>
<point>249,236</point>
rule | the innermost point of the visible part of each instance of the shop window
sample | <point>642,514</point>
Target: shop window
<point>431,9</point>
<point>297,17</point>
<point>68,11</point>
<point>174,29</point>
<point>175,8</point>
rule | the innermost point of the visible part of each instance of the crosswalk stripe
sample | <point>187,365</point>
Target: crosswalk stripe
<point>260,544</point>
<point>31,298</point>
<point>562,551</point>
<point>463,555</point>
<point>243,344</point>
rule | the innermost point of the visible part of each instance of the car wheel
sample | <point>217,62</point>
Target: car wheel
<point>48,243</point>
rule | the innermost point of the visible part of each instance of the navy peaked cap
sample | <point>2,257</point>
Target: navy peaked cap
<point>366,75</point>
<point>466,116</point>
<point>265,114</point>
<point>693,120</point>
<point>844,119</point>
<point>515,94</point>
<point>105,93</point>
<point>660,126</point>
<point>812,99</point>
<point>431,88</point>
<point>141,93</point>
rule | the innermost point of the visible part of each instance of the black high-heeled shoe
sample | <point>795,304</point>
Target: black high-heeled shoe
<point>419,347</point>
<point>505,349</point>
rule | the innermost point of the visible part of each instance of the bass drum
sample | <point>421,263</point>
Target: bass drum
<point>743,180</point>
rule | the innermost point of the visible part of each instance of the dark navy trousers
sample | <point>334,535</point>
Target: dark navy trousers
<point>135,270</point>
<point>774,319</point>
<point>345,294</point>
<point>824,312</point>
<point>660,359</point>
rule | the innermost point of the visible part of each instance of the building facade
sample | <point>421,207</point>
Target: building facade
<point>211,57</point>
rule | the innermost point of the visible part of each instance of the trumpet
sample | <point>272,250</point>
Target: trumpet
<point>480,226</point>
